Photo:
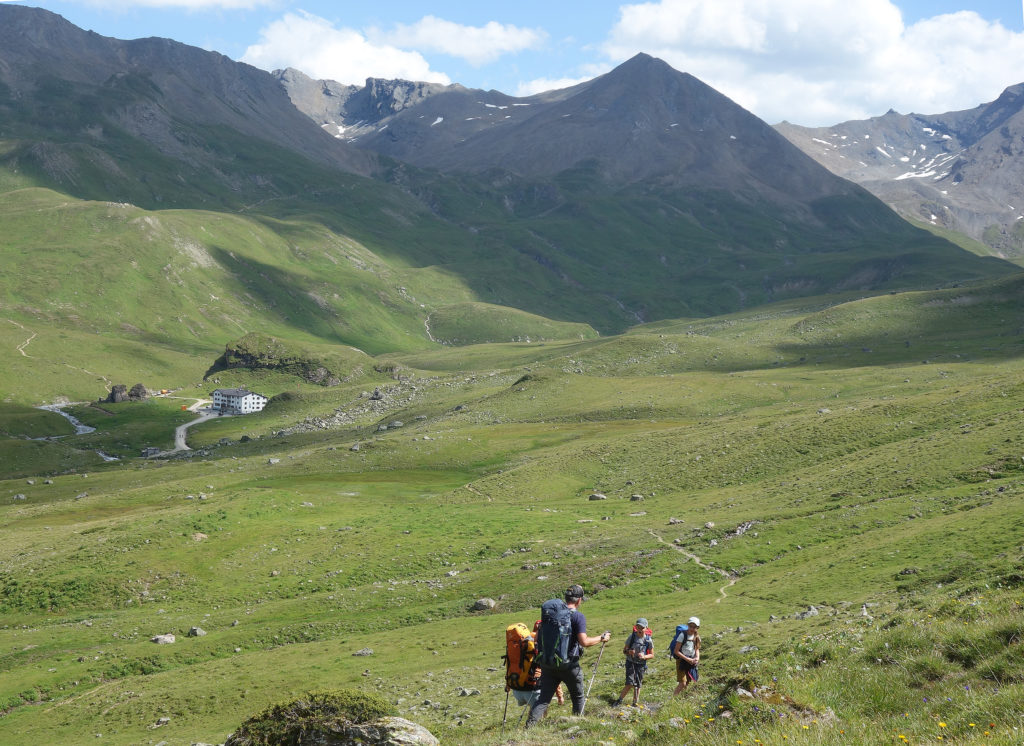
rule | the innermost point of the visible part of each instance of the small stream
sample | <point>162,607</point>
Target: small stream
<point>80,429</point>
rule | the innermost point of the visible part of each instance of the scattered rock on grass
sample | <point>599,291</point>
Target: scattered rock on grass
<point>811,611</point>
<point>163,639</point>
<point>483,604</point>
<point>363,652</point>
<point>197,632</point>
<point>598,496</point>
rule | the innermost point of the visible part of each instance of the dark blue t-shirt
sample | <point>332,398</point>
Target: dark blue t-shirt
<point>579,624</point>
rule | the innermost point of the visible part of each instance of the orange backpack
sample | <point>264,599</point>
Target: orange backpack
<point>520,650</point>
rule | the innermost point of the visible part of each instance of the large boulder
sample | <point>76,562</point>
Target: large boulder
<point>389,731</point>
<point>119,393</point>
<point>340,718</point>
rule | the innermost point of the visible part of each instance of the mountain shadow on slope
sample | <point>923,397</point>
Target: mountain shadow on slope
<point>645,194</point>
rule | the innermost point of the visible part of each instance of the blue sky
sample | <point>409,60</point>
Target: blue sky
<point>812,62</point>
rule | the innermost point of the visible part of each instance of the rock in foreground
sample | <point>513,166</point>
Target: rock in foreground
<point>340,718</point>
<point>344,717</point>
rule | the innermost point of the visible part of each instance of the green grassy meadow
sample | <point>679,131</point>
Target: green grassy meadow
<point>864,458</point>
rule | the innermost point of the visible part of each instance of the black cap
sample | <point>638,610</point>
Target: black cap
<point>574,591</point>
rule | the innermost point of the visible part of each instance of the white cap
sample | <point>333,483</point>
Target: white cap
<point>694,620</point>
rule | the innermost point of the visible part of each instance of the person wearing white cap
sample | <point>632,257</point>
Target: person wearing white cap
<point>686,651</point>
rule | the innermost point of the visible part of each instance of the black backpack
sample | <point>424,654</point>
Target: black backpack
<point>554,638</point>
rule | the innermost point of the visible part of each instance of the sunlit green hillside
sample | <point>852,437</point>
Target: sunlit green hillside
<point>754,466</point>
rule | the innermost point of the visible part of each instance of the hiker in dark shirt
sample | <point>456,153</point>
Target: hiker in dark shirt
<point>572,674</point>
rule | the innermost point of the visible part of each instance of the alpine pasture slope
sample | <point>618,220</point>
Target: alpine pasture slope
<point>855,452</point>
<point>862,458</point>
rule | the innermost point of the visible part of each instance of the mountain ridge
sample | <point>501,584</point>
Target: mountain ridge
<point>616,217</point>
<point>961,170</point>
<point>149,86</point>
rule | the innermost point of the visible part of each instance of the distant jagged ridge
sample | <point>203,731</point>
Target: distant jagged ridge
<point>962,170</point>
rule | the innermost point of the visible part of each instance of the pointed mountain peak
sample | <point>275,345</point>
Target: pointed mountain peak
<point>643,65</point>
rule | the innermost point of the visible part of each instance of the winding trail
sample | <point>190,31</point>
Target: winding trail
<point>475,491</point>
<point>697,560</point>
<point>181,431</point>
<point>21,348</point>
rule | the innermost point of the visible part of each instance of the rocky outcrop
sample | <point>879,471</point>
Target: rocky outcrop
<point>348,111</point>
<point>119,393</point>
<point>341,718</point>
<point>256,351</point>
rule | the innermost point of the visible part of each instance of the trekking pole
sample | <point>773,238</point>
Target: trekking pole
<point>505,716</point>
<point>529,706</point>
<point>592,677</point>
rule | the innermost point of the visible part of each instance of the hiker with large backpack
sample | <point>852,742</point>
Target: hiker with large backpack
<point>522,677</point>
<point>560,641</point>
<point>686,650</point>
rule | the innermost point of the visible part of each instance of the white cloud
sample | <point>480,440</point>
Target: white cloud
<point>188,4</point>
<point>475,44</point>
<point>587,71</point>
<point>314,46</point>
<point>540,85</point>
<point>819,62</point>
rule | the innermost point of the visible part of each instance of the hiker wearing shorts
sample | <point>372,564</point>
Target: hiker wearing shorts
<point>571,675</point>
<point>686,651</point>
<point>638,650</point>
